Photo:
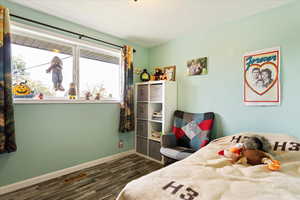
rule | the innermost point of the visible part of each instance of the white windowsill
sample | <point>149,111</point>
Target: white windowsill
<point>36,101</point>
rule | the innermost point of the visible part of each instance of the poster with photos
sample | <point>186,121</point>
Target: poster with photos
<point>197,67</point>
<point>262,77</point>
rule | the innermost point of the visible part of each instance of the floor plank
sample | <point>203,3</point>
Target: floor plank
<point>101,182</point>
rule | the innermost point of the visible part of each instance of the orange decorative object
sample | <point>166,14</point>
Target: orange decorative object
<point>152,78</point>
<point>273,165</point>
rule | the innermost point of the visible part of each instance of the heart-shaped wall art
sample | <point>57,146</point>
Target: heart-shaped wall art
<point>261,78</point>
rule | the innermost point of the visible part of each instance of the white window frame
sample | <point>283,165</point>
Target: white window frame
<point>76,45</point>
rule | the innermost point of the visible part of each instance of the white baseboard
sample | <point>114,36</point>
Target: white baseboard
<point>32,181</point>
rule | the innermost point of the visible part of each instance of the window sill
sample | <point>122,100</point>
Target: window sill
<point>36,101</point>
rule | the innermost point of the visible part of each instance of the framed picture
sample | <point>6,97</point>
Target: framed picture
<point>197,67</point>
<point>262,77</point>
<point>170,73</point>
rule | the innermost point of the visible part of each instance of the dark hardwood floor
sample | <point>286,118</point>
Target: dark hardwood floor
<point>102,182</point>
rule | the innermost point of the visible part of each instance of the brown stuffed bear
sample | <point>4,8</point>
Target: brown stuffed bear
<point>241,154</point>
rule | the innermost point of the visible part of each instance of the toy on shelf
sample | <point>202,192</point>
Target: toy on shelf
<point>145,76</point>
<point>72,91</point>
<point>22,90</point>
<point>253,151</point>
<point>157,74</point>
<point>163,77</point>
<point>152,78</point>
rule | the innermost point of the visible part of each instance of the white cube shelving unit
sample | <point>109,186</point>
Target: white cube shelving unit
<point>153,96</point>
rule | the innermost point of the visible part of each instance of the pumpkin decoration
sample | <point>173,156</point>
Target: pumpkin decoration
<point>22,90</point>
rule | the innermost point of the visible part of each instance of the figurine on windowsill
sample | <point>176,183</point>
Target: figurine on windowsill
<point>57,76</point>
<point>97,97</point>
<point>88,95</point>
<point>41,96</point>
<point>72,91</point>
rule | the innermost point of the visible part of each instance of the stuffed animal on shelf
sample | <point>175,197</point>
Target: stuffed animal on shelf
<point>157,74</point>
<point>163,77</point>
<point>251,152</point>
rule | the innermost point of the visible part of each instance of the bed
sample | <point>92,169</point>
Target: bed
<point>207,176</point>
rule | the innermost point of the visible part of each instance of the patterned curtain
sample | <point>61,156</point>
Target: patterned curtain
<point>7,127</point>
<point>127,105</point>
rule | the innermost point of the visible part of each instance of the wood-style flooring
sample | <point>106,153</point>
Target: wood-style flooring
<point>102,182</point>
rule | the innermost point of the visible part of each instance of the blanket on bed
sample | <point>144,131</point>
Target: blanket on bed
<point>207,176</point>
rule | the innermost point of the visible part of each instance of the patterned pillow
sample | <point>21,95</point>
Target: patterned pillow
<point>200,140</point>
<point>192,130</point>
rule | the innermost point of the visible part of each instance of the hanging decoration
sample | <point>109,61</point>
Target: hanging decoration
<point>262,77</point>
<point>57,76</point>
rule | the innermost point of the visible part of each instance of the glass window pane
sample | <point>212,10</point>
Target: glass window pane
<point>30,60</point>
<point>98,75</point>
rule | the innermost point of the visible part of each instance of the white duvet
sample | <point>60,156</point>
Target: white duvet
<point>207,176</point>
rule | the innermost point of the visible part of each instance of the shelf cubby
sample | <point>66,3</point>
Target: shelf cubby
<point>158,98</point>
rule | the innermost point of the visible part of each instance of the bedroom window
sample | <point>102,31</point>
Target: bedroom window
<point>50,68</point>
<point>98,77</point>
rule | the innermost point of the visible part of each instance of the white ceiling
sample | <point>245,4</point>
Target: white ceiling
<point>150,22</point>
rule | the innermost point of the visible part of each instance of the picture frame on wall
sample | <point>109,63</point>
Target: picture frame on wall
<point>197,66</point>
<point>170,73</point>
<point>262,77</point>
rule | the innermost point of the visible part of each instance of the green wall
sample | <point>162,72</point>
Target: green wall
<point>221,90</point>
<point>51,137</point>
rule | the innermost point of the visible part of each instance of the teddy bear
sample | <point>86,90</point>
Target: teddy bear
<point>253,151</point>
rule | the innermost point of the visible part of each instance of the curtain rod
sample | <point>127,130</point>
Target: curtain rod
<point>80,36</point>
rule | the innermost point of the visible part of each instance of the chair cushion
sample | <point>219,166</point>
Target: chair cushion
<point>200,140</point>
<point>177,153</point>
<point>192,130</point>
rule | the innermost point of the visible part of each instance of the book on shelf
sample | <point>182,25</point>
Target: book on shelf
<point>156,134</point>
<point>157,116</point>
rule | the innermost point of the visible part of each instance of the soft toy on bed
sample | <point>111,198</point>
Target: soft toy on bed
<point>253,150</point>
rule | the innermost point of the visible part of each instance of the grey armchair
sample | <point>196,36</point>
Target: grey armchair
<point>190,132</point>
